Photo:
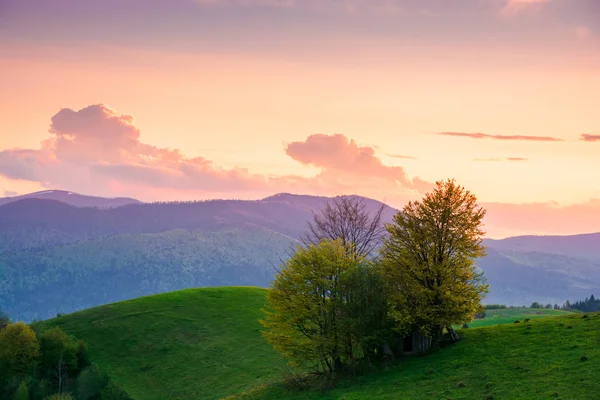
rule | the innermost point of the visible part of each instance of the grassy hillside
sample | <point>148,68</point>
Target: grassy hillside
<point>191,344</point>
<point>540,359</point>
<point>510,315</point>
<point>206,344</point>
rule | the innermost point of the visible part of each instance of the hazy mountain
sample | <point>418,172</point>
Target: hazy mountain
<point>55,257</point>
<point>584,246</point>
<point>74,199</point>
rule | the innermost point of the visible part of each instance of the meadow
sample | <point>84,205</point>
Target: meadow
<point>206,344</point>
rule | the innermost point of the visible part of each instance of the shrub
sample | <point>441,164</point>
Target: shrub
<point>22,392</point>
<point>465,325</point>
<point>113,392</point>
<point>90,383</point>
<point>61,396</point>
<point>461,385</point>
<point>583,358</point>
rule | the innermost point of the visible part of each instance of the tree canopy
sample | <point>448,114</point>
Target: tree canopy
<point>317,304</point>
<point>428,260</point>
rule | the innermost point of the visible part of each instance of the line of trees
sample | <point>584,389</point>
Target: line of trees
<point>357,286</point>
<point>49,364</point>
<point>590,304</point>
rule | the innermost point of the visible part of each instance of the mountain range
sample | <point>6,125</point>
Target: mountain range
<point>62,252</point>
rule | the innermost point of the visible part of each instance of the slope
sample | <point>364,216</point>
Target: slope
<point>191,344</point>
<point>541,359</point>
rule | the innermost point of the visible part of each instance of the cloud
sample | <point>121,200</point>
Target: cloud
<point>10,193</point>
<point>95,150</point>
<point>517,6</point>
<point>343,156</point>
<point>400,156</point>
<point>501,159</point>
<point>502,137</point>
<point>590,138</point>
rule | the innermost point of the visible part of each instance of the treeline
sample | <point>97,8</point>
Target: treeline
<point>359,290</point>
<point>590,304</point>
<point>48,364</point>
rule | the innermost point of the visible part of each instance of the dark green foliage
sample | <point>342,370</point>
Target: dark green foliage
<point>113,392</point>
<point>90,382</point>
<point>495,307</point>
<point>590,304</point>
<point>38,366</point>
<point>22,392</point>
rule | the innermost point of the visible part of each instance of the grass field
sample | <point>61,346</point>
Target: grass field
<point>510,315</point>
<point>206,344</point>
<point>540,359</point>
<point>190,344</point>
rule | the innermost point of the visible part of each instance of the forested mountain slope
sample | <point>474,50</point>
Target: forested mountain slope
<point>55,257</point>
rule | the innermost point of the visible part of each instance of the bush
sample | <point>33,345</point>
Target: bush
<point>62,396</point>
<point>22,392</point>
<point>90,383</point>
<point>113,392</point>
<point>465,326</point>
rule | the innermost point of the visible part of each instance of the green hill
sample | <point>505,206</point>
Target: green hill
<point>206,344</point>
<point>191,344</point>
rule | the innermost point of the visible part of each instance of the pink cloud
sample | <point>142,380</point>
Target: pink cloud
<point>501,137</point>
<point>517,6</point>
<point>586,137</point>
<point>94,149</point>
<point>339,154</point>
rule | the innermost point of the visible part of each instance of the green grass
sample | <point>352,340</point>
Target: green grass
<point>190,344</point>
<point>535,360</point>
<point>206,344</point>
<point>510,315</point>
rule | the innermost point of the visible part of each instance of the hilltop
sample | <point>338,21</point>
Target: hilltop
<point>206,343</point>
<point>191,344</point>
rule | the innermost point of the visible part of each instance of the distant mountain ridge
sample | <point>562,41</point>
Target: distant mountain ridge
<point>59,257</point>
<point>73,199</point>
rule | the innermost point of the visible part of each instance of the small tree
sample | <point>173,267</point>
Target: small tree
<point>428,260</point>
<point>19,349</point>
<point>22,392</point>
<point>59,358</point>
<point>325,308</point>
<point>349,219</point>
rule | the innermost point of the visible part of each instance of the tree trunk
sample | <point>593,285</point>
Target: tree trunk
<point>453,334</point>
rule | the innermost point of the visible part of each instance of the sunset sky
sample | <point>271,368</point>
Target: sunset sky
<point>197,99</point>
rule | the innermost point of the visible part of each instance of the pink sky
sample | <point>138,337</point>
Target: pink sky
<point>189,99</point>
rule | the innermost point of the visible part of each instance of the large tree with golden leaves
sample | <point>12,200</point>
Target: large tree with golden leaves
<point>428,260</point>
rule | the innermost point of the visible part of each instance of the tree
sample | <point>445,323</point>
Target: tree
<point>59,356</point>
<point>535,304</point>
<point>428,260</point>
<point>19,349</point>
<point>90,382</point>
<point>22,392</point>
<point>4,320</point>
<point>325,308</point>
<point>349,219</point>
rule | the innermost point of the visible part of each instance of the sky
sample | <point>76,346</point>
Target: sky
<point>200,99</point>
